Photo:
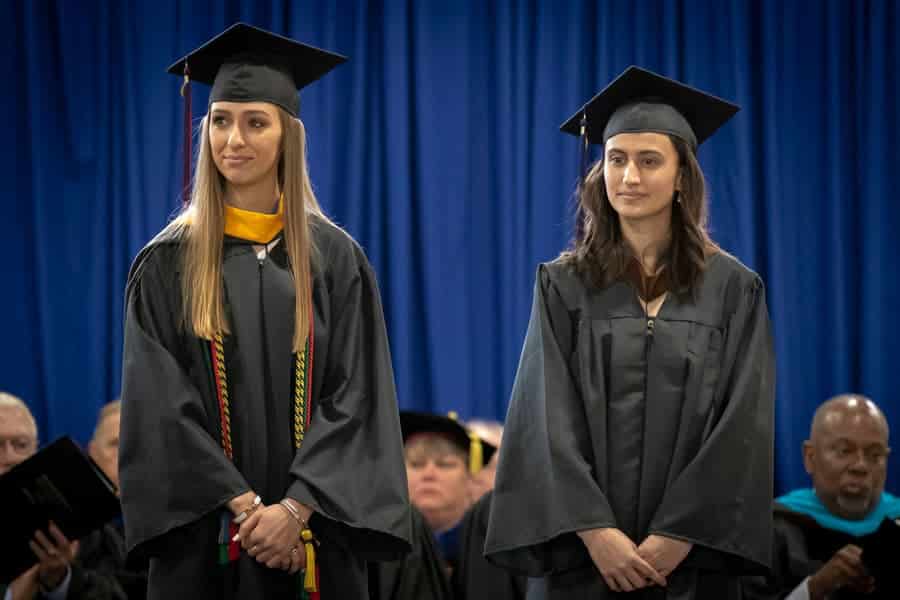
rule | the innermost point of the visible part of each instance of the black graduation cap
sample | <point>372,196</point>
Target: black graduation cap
<point>478,450</point>
<point>639,100</point>
<point>248,64</point>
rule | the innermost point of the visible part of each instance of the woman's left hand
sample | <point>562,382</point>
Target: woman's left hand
<point>664,553</point>
<point>272,534</point>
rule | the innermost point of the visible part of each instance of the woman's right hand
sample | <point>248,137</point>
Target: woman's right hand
<point>617,559</point>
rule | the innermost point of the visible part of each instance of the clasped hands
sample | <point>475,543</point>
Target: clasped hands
<point>271,534</point>
<point>625,566</point>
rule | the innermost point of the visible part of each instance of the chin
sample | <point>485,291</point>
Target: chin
<point>639,211</point>
<point>855,508</point>
<point>240,179</point>
<point>427,502</point>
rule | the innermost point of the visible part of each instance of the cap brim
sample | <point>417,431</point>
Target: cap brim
<point>304,62</point>
<point>413,423</point>
<point>704,112</point>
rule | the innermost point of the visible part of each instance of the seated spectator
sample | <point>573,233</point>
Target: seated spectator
<point>437,452</point>
<point>828,539</point>
<point>441,458</point>
<point>104,445</point>
<point>65,570</point>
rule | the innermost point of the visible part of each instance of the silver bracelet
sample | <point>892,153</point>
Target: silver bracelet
<point>294,513</point>
<point>242,516</point>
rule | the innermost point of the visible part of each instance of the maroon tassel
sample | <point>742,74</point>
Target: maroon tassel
<point>188,152</point>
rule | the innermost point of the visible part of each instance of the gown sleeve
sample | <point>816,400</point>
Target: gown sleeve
<point>418,576</point>
<point>722,499</point>
<point>173,470</point>
<point>545,488</point>
<point>475,578</point>
<point>350,467</point>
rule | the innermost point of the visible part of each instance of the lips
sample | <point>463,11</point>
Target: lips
<point>236,161</point>
<point>854,489</point>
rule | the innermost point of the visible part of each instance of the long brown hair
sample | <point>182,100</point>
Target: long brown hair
<point>202,224</point>
<point>599,251</point>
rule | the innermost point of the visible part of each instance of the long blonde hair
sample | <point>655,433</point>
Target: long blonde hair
<point>202,227</point>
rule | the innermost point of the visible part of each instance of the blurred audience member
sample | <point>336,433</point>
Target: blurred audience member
<point>838,539</point>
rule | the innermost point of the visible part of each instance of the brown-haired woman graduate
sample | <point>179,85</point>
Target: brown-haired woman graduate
<point>261,454</point>
<point>637,455</point>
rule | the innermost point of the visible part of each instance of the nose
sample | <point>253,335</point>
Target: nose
<point>631,175</point>
<point>860,464</point>
<point>7,457</point>
<point>235,137</point>
<point>429,471</point>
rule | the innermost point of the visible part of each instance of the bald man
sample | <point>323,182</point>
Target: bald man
<point>820,533</point>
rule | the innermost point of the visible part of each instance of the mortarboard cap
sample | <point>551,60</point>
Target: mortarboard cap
<point>479,451</point>
<point>639,100</point>
<point>249,64</point>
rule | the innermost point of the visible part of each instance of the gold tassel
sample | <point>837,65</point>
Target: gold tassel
<point>309,580</point>
<point>476,454</point>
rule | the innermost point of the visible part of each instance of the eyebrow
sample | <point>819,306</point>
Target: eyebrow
<point>640,152</point>
<point>253,112</point>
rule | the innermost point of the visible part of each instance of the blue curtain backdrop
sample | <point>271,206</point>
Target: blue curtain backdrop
<point>437,147</point>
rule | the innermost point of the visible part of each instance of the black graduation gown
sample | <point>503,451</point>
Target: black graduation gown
<point>101,570</point>
<point>802,546</point>
<point>475,578</point>
<point>420,575</point>
<point>659,425</point>
<point>175,478</point>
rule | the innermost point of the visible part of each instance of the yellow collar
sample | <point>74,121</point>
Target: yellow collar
<point>254,226</point>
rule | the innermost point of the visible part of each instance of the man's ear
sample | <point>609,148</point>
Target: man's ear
<point>809,453</point>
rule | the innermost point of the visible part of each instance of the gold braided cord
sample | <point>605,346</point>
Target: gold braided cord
<point>300,394</point>
<point>222,388</point>
<point>300,397</point>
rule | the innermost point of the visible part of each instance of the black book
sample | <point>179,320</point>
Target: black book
<point>61,484</point>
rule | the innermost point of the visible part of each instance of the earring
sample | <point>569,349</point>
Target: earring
<point>677,196</point>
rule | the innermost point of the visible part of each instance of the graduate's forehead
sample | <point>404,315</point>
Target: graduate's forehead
<point>244,108</point>
<point>641,142</point>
